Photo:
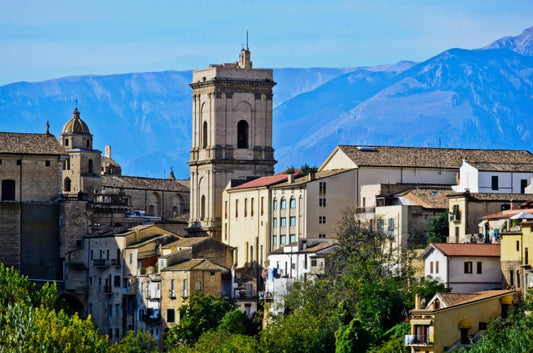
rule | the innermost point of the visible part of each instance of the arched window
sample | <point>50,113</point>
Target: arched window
<point>204,135</point>
<point>242,134</point>
<point>90,166</point>
<point>8,190</point>
<point>202,207</point>
<point>67,185</point>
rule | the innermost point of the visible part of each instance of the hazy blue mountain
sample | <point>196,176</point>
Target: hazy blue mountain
<point>459,98</point>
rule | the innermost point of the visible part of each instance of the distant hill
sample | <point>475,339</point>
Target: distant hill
<point>460,98</point>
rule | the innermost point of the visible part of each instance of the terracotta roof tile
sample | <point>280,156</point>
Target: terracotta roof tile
<point>458,249</point>
<point>422,157</point>
<point>196,265</point>
<point>263,181</point>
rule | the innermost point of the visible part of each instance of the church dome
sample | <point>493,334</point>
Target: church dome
<point>76,125</point>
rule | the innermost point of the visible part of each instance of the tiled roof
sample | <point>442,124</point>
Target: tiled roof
<point>310,249</point>
<point>506,213</point>
<point>129,182</point>
<point>318,175</point>
<point>189,241</point>
<point>458,249</point>
<point>263,181</point>
<point>428,197</point>
<point>493,196</point>
<point>196,265</point>
<point>452,299</point>
<point>110,162</point>
<point>22,143</point>
<point>423,157</point>
<point>503,167</point>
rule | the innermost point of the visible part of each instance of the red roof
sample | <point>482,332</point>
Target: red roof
<point>458,249</point>
<point>263,181</point>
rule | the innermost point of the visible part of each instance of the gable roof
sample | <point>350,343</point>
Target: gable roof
<point>262,182</point>
<point>196,265</point>
<point>502,167</point>
<point>318,175</point>
<point>23,143</point>
<point>425,157</point>
<point>459,249</point>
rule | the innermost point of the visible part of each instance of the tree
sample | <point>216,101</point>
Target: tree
<point>199,314</point>
<point>135,342</point>
<point>438,229</point>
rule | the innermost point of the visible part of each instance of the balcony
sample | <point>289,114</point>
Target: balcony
<point>116,262</point>
<point>417,340</point>
<point>101,263</point>
<point>108,289</point>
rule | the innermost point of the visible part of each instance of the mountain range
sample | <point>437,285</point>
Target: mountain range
<point>480,98</point>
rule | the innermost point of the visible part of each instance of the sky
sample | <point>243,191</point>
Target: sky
<point>42,40</point>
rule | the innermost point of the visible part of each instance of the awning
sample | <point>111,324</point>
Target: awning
<point>482,223</point>
<point>421,321</point>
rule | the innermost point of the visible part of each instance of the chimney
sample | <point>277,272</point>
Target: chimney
<point>312,176</point>
<point>108,151</point>
<point>290,178</point>
<point>417,301</point>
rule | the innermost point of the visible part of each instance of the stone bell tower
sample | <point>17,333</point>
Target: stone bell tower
<point>231,135</point>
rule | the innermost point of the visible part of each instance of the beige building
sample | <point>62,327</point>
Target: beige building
<point>452,320</point>
<point>231,136</point>
<point>246,218</point>
<point>30,177</point>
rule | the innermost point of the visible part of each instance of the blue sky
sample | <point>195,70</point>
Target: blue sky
<point>48,39</point>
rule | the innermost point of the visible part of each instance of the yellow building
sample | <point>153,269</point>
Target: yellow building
<point>515,260</point>
<point>455,319</point>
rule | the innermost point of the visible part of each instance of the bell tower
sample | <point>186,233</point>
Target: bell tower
<point>231,135</point>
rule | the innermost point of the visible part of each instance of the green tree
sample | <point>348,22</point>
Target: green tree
<point>351,338</point>
<point>438,229</point>
<point>199,314</point>
<point>135,342</point>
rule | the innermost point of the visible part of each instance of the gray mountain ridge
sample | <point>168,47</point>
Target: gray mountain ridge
<point>459,98</point>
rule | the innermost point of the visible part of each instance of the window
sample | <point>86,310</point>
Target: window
<point>518,245</point>
<point>283,221</point>
<point>184,292</point>
<point>274,222</point>
<point>431,267</point>
<point>322,219</point>
<point>517,278</point>
<point>236,208</point>
<point>131,258</point>
<point>275,204</point>
<point>494,182</point>
<point>283,204</point>
<point>262,202</point>
<point>171,317</point>
<point>225,209</point>
<point>202,207</point>
<point>117,281</point>
<point>252,207</point>
<point>67,184</point>
<point>523,185</point>
<point>47,163</point>
<point>283,239</point>
<point>90,166</point>
<point>117,332</point>
<point>526,256</point>
<point>19,161</point>
<point>322,202</point>
<point>390,227</point>
<point>173,288</point>
<point>292,203</point>
<point>511,277</point>
<point>468,266</point>
<point>242,134</point>
<point>8,190</point>
<point>479,267</point>
<point>322,188</point>
<point>66,142</point>
<point>274,240</point>
<point>245,207</point>
<point>292,221</point>
<point>313,262</point>
<point>321,235</point>
<point>110,333</point>
<point>436,267</point>
<point>292,238</point>
<point>117,310</point>
<point>204,135</point>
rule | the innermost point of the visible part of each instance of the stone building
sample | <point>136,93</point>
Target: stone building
<point>231,135</point>
<point>30,174</point>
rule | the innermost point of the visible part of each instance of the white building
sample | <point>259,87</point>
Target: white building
<point>479,177</point>
<point>299,261</point>
<point>465,268</point>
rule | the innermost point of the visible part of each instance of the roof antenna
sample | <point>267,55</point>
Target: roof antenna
<point>247,48</point>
